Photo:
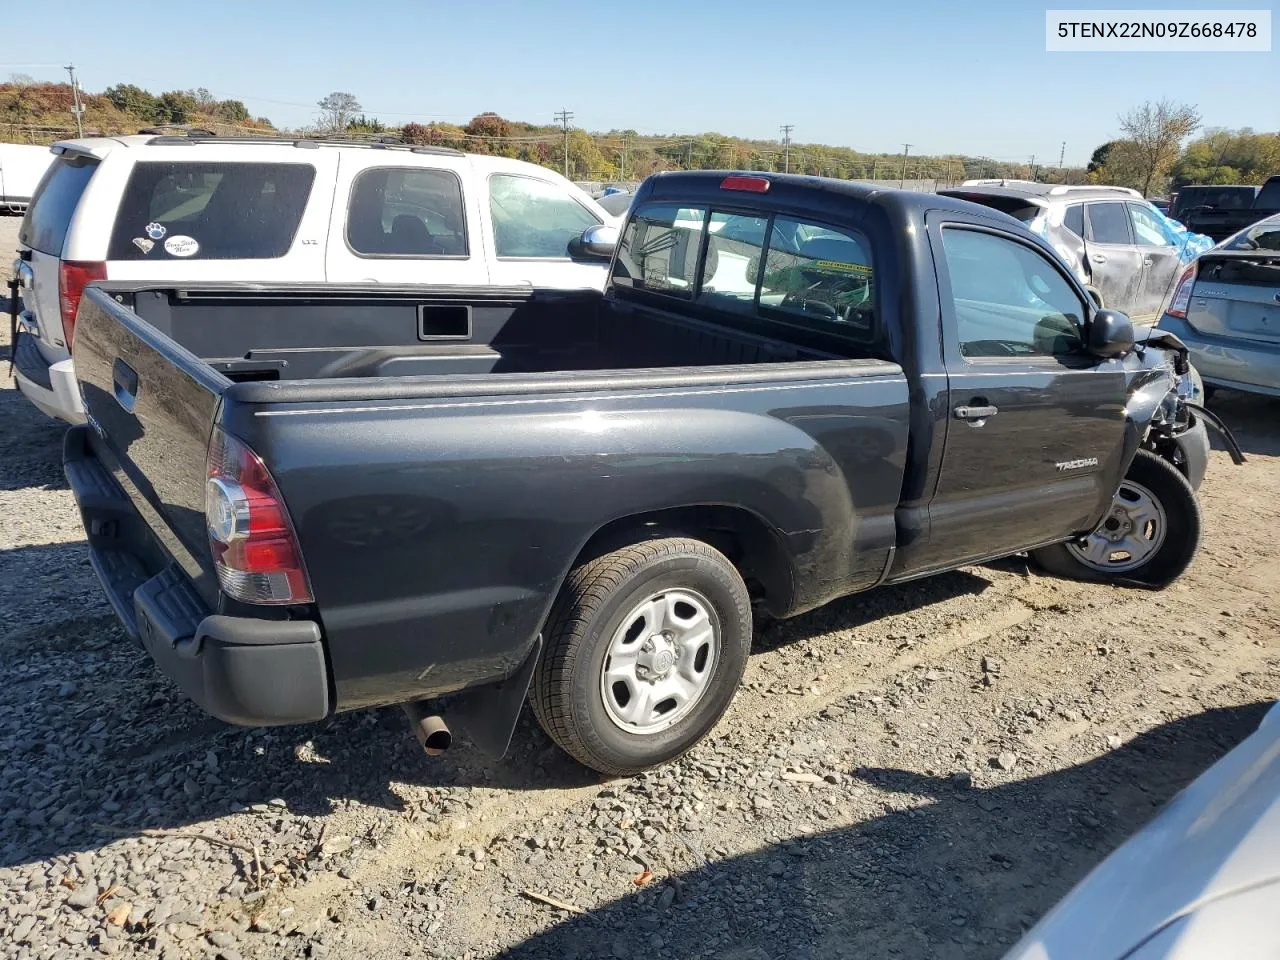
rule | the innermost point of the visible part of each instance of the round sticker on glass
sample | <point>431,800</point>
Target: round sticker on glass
<point>181,246</point>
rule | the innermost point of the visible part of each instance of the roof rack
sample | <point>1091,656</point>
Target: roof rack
<point>1093,188</point>
<point>168,137</point>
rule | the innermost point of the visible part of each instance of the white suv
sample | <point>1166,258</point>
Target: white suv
<point>185,209</point>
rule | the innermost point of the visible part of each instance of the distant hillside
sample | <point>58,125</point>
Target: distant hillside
<point>42,113</point>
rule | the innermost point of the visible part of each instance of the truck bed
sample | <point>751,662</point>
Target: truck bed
<point>306,333</point>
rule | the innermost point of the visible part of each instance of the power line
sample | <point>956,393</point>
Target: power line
<point>786,129</point>
<point>564,116</point>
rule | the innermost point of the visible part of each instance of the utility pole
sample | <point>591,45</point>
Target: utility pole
<point>688,154</point>
<point>564,116</point>
<point>626,142</point>
<point>902,180</point>
<point>1033,166</point>
<point>78,109</point>
<point>786,129</point>
<point>1062,154</point>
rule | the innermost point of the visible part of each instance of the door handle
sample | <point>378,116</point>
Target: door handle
<point>975,413</point>
<point>1147,261</point>
<point>1098,258</point>
<point>124,380</point>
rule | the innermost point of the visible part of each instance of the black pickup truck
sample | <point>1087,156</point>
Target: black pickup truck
<point>1239,207</point>
<point>304,500</point>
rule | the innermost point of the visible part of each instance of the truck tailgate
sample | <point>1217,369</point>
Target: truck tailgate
<point>151,405</point>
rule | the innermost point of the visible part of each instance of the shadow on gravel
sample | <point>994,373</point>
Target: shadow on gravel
<point>30,442</point>
<point>960,876</point>
<point>860,609</point>
<point>1252,418</point>
<point>106,746</point>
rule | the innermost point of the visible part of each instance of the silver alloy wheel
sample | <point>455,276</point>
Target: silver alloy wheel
<point>660,661</point>
<point>1133,530</point>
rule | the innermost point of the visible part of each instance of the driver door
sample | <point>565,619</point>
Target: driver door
<point>1034,422</point>
<point>405,218</point>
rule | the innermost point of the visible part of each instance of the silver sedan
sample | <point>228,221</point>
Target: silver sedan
<point>1226,309</point>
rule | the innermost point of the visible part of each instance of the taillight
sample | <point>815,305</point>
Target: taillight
<point>749,184</point>
<point>255,550</point>
<point>73,277</point>
<point>1182,293</point>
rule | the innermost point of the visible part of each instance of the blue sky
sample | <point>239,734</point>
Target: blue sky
<point>943,76</point>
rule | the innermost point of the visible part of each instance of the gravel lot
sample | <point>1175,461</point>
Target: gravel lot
<point>916,772</point>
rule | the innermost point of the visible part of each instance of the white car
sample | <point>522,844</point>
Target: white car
<point>182,209</point>
<point>1199,882</point>
<point>21,167</point>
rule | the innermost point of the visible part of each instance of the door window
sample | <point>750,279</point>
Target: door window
<point>1074,219</point>
<point>1148,231</point>
<point>406,212</point>
<point>1108,223</point>
<point>534,218</point>
<point>1008,299</point>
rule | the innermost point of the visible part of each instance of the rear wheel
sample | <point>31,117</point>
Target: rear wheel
<point>645,649</point>
<point>1148,537</point>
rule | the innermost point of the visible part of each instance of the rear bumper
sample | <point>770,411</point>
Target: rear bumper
<point>50,386</point>
<point>243,670</point>
<point>1248,365</point>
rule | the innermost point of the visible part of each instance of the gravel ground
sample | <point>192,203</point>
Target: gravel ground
<point>920,771</point>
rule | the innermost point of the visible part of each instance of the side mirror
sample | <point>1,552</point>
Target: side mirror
<point>1110,334</point>
<point>597,242</point>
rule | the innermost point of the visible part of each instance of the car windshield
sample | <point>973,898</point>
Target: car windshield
<point>1264,235</point>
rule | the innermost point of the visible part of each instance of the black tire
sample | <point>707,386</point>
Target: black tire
<point>1181,539</point>
<point>566,693</point>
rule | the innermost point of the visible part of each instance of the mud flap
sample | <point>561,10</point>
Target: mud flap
<point>488,714</point>
<point>1214,421</point>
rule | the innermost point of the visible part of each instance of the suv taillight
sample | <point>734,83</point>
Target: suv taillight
<point>1182,293</point>
<point>73,277</point>
<point>255,550</point>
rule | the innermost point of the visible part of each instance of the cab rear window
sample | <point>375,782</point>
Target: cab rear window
<point>210,211</point>
<point>45,226</point>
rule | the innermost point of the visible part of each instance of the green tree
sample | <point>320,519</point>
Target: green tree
<point>175,106</point>
<point>233,111</point>
<point>1156,131</point>
<point>130,99</point>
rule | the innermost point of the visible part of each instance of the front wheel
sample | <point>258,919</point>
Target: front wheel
<point>1148,537</point>
<point>645,649</point>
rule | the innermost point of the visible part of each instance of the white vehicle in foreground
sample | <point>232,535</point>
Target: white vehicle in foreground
<point>21,167</point>
<point>186,209</point>
<point>1199,882</point>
